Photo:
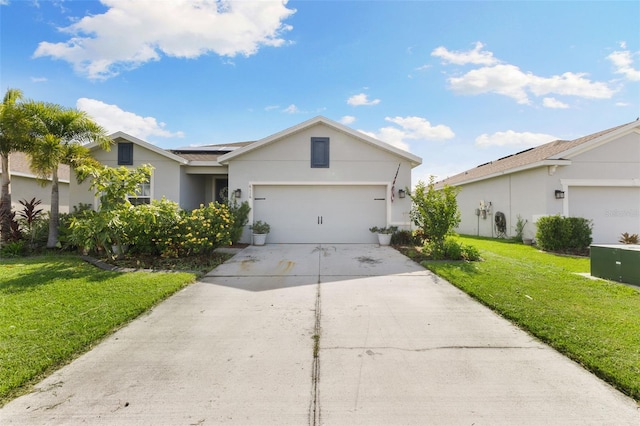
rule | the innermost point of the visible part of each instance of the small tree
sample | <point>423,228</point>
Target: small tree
<point>113,185</point>
<point>435,212</point>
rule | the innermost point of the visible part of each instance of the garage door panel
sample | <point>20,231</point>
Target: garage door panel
<point>613,210</point>
<point>320,213</point>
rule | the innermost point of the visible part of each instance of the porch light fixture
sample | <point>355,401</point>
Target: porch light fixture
<point>559,194</point>
<point>238,193</point>
<point>402,193</point>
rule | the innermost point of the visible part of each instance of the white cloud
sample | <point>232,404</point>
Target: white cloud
<point>410,128</point>
<point>362,99</point>
<point>511,138</point>
<point>271,107</point>
<point>39,79</point>
<point>347,119</point>
<point>509,80</point>
<point>474,56</point>
<point>133,32</point>
<point>623,62</point>
<point>623,104</point>
<point>554,103</point>
<point>291,109</point>
<point>114,119</point>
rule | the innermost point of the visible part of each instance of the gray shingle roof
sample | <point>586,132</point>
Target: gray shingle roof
<point>549,151</point>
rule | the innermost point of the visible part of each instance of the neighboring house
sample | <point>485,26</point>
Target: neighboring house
<point>596,177</point>
<point>25,185</point>
<point>317,182</point>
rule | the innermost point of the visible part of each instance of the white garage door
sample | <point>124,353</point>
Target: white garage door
<point>613,210</point>
<point>320,213</point>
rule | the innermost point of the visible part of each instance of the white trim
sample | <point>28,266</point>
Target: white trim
<point>538,164</point>
<point>387,185</point>
<point>414,160</point>
<point>633,127</point>
<point>30,176</point>
<point>143,144</point>
<point>599,182</point>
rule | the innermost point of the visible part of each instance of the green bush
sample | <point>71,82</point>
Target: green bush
<point>450,249</point>
<point>13,249</point>
<point>564,234</point>
<point>150,225</point>
<point>240,214</point>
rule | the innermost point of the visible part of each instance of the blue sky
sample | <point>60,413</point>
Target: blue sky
<point>457,83</point>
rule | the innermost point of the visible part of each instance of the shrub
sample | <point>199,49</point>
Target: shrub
<point>402,238</point>
<point>451,249</point>
<point>435,212</point>
<point>240,214</point>
<point>627,238</point>
<point>564,234</point>
<point>150,225</point>
<point>13,249</point>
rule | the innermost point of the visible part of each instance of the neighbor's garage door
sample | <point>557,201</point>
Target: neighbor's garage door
<point>320,213</point>
<point>613,210</point>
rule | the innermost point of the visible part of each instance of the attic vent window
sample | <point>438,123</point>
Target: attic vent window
<point>125,153</point>
<point>319,152</point>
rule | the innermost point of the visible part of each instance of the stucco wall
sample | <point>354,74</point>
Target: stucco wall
<point>25,188</point>
<point>601,184</point>
<point>351,160</point>
<point>165,178</point>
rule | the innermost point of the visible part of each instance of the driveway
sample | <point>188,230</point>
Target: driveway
<point>330,334</point>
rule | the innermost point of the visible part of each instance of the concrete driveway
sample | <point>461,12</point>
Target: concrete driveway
<point>396,345</point>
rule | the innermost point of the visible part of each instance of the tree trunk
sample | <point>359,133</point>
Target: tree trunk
<point>5,200</point>
<point>54,215</point>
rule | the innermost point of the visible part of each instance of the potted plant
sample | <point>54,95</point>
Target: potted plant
<point>384,234</point>
<point>260,230</point>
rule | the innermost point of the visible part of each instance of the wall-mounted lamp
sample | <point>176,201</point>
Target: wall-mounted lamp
<point>402,193</point>
<point>559,194</point>
<point>238,193</point>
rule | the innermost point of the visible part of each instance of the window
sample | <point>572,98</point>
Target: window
<point>125,153</point>
<point>320,152</point>
<point>142,195</point>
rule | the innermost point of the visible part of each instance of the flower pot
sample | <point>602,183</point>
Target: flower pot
<point>259,239</point>
<point>384,239</point>
<point>119,249</point>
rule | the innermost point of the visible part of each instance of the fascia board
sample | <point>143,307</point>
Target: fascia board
<point>543,163</point>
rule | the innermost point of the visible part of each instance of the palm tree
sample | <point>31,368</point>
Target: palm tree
<point>13,137</point>
<point>60,135</point>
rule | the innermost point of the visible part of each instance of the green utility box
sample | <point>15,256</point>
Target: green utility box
<point>616,262</point>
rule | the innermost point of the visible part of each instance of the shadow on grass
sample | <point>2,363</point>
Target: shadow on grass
<point>51,270</point>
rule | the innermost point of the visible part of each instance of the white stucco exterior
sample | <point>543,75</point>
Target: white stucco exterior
<point>599,178</point>
<point>358,164</point>
<point>303,204</point>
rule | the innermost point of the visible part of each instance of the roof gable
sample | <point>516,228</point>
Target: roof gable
<point>557,152</point>
<point>140,142</point>
<point>413,159</point>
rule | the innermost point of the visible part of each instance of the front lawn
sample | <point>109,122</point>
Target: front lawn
<point>54,308</point>
<point>594,322</point>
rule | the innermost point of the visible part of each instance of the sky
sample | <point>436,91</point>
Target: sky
<point>458,83</point>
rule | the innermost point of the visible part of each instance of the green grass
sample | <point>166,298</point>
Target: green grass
<point>54,308</point>
<point>594,322</point>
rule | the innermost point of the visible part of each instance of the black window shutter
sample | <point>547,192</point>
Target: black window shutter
<point>320,152</point>
<point>125,153</point>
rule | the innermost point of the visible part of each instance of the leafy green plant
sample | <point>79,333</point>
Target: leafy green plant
<point>564,234</point>
<point>627,238</point>
<point>451,249</point>
<point>384,230</point>
<point>240,214</point>
<point>28,217</point>
<point>260,227</point>
<point>404,237</point>
<point>13,249</point>
<point>112,185</point>
<point>520,224</point>
<point>435,212</point>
